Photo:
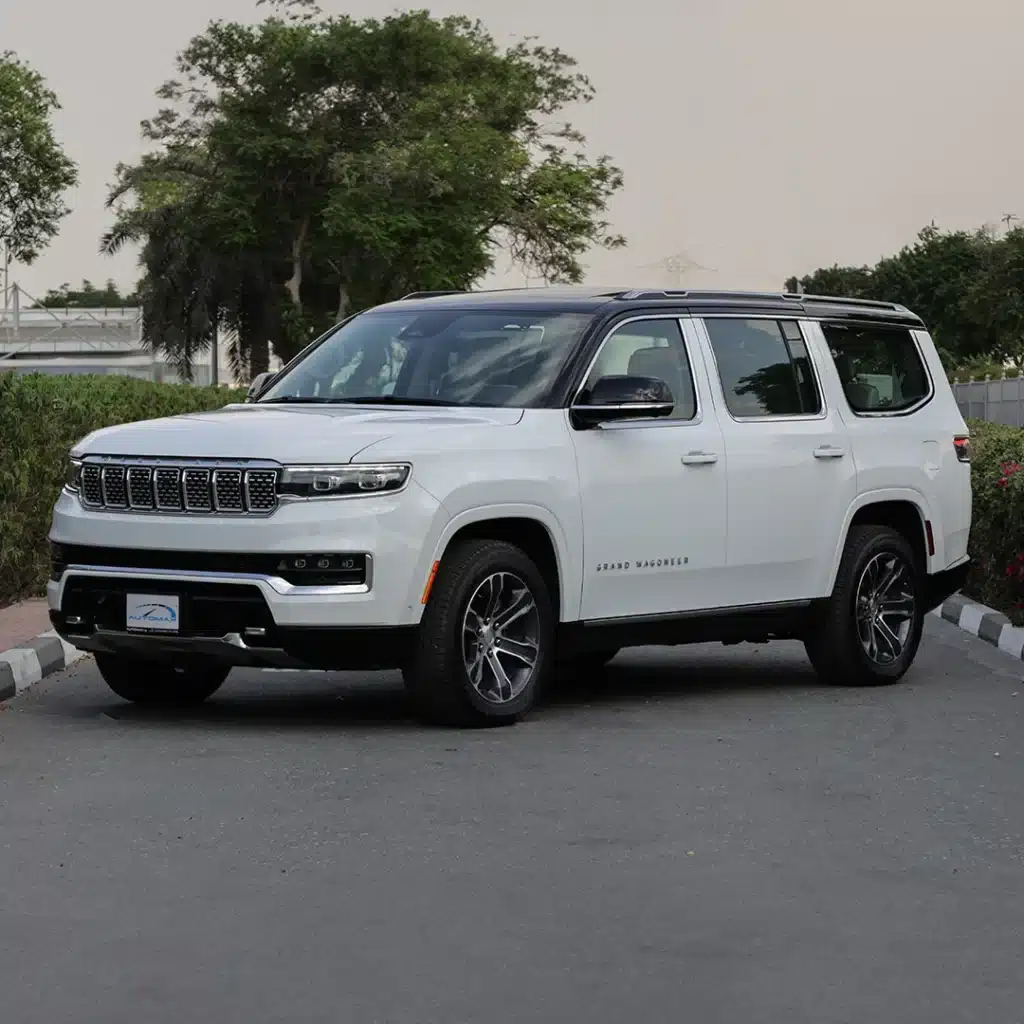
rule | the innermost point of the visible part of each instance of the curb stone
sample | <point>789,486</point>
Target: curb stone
<point>984,623</point>
<point>28,664</point>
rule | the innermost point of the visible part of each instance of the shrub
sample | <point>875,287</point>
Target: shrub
<point>41,417</point>
<point>997,522</point>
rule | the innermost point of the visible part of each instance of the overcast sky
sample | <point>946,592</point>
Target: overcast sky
<point>759,137</point>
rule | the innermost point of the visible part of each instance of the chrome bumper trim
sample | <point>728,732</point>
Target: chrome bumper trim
<point>230,649</point>
<point>276,583</point>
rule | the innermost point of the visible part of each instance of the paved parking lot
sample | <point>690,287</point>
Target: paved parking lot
<point>711,836</point>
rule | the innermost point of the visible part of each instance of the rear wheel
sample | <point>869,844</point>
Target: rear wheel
<point>485,640</point>
<point>157,684</point>
<point>870,629</point>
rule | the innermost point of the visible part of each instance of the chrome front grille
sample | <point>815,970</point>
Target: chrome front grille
<point>195,488</point>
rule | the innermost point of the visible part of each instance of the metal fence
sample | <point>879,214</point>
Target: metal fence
<point>998,401</point>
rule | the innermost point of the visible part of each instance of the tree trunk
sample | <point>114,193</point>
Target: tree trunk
<point>343,301</point>
<point>294,283</point>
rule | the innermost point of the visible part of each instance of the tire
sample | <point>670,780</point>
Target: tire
<point>451,676</point>
<point>157,684</point>
<point>852,645</point>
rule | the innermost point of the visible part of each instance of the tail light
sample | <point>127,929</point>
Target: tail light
<point>962,444</point>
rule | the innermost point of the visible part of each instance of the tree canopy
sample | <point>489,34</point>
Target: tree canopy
<point>88,296</point>
<point>311,165</point>
<point>34,171</point>
<point>968,286</point>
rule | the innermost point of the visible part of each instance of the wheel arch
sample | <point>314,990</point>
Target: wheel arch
<point>533,528</point>
<point>904,510</point>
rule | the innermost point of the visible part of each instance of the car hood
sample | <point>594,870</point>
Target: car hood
<point>295,434</point>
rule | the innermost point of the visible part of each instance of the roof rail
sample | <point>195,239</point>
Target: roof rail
<point>701,294</point>
<point>432,295</point>
<point>839,300</point>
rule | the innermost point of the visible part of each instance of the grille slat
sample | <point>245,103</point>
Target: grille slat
<point>227,490</point>
<point>140,487</point>
<point>92,489</point>
<point>261,489</point>
<point>167,483</point>
<point>194,489</point>
<point>196,483</point>
<point>115,492</point>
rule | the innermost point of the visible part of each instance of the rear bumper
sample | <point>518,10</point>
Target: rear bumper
<point>940,585</point>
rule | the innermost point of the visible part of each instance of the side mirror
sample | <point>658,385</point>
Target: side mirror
<point>624,398</point>
<point>259,385</point>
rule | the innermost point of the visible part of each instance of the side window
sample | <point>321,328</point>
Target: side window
<point>649,348</point>
<point>880,368</point>
<point>764,367</point>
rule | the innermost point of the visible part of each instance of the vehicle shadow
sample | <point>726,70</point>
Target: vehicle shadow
<point>376,701</point>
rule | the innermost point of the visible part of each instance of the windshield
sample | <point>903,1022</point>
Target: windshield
<point>441,357</point>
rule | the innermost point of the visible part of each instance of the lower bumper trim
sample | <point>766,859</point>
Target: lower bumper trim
<point>341,649</point>
<point>230,649</point>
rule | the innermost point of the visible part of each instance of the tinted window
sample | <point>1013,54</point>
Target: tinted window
<point>446,357</point>
<point>880,368</point>
<point>648,348</point>
<point>764,367</point>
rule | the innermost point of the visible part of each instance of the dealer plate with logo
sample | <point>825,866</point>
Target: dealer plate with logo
<point>152,613</point>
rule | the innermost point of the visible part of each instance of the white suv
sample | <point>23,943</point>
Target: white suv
<point>483,489</point>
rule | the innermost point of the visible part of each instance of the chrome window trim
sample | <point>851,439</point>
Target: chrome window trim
<point>648,421</point>
<point>280,586</point>
<point>801,324</point>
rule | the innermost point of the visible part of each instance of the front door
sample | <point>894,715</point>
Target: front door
<point>653,491</point>
<point>792,476</point>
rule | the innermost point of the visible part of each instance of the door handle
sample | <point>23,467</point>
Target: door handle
<point>829,451</point>
<point>699,458</point>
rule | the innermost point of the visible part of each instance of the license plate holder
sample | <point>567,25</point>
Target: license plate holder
<point>152,613</point>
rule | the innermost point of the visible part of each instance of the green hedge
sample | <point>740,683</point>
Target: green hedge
<point>997,521</point>
<point>41,417</point>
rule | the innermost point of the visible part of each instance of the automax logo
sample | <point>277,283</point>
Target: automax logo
<point>154,613</point>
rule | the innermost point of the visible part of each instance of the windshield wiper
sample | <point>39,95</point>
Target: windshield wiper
<point>293,399</point>
<point>389,400</point>
<point>360,400</point>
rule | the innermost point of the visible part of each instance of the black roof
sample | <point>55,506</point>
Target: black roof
<point>590,299</point>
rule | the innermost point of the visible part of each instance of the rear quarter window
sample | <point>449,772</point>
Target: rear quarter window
<point>880,368</point>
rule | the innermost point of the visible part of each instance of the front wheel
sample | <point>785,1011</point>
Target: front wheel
<point>485,640</point>
<point>157,684</point>
<point>870,629</point>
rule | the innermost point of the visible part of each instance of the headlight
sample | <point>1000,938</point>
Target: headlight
<point>342,481</point>
<point>73,477</point>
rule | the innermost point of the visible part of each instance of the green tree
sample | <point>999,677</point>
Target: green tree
<point>87,297</point>
<point>315,165</point>
<point>955,280</point>
<point>34,172</point>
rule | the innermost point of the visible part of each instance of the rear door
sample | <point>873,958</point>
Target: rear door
<point>792,476</point>
<point>902,418</point>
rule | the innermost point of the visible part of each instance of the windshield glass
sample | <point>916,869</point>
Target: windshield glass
<point>443,357</point>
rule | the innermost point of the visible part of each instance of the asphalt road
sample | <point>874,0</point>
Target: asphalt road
<point>712,837</point>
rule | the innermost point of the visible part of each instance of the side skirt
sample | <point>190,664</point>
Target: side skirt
<point>744,624</point>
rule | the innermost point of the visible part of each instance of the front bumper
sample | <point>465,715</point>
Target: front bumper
<point>394,532</point>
